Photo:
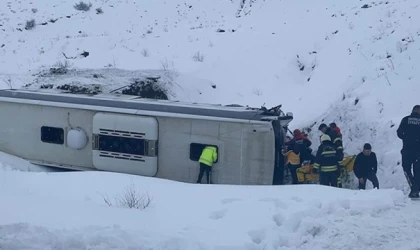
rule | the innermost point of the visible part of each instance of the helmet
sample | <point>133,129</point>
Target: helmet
<point>325,137</point>
<point>323,125</point>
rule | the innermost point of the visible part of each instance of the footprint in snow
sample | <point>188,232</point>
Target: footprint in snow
<point>297,199</point>
<point>257,236</point>
<point>278,203</point>
<point>218,214</point>
<point>229,200</point>
<point>278,219</point>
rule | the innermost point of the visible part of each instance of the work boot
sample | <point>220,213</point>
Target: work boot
<point>414,195</point>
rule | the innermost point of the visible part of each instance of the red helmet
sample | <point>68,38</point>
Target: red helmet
<point>297,132</point>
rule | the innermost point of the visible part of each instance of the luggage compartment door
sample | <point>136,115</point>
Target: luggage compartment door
<point>125,144</point>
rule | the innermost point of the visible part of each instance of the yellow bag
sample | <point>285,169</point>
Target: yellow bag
<point>305,174</point>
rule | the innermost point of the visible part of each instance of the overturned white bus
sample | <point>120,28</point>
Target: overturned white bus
<point>133,135</point>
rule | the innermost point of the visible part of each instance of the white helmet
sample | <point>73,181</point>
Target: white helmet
<point>325,137</point>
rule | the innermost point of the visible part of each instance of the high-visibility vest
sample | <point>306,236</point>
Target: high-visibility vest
<point>292,158</point>
<point>208,156</point>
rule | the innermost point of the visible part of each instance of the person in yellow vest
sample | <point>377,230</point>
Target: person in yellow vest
<point>293,162</point>
<point>207,159</point>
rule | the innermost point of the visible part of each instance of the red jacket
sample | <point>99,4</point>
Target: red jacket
<point>337,130</point>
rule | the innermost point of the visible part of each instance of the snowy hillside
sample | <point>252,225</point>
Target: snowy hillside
<point>352,62</point>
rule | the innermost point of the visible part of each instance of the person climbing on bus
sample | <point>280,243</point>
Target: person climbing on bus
<point>326,162</point>
<point>207,159</point>
<point>293,161</point>
<point>303,144</point>
<point>366,167</point>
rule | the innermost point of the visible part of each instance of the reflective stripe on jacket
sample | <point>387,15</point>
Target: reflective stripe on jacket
<point>208,156</point>
<point>326,159</point>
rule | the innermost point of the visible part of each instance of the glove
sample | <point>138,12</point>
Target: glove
<point>314,170</point>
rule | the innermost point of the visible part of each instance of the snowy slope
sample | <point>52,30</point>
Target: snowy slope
<point>73,215</point>
<point>253,62</point>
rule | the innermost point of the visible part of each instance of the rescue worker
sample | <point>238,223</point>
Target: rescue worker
<point>207,158</point>
<point>338,145</point>
<point>293,162</point>
<point>303,144</point>
<point>366,166</point>
<point>326,162</point>
<point>334,127</point>
<point>409,133</point>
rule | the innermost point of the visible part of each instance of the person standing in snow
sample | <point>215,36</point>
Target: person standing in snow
<point>409,133</point>
<point>366,166</point>
<point>334,127</point>
<point>335,139</point>
<point>293,161</point>
<point>326,162</point>
<point>303,144</point>
<point>338,145</point>
<point>207,158</point>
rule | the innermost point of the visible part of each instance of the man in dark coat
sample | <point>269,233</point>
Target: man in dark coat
<point>366,167</point>
<point>335,139</point>
<point>326,162</point>
<point>303,144</point>
<point>409,133</point>
<point>338,144</point>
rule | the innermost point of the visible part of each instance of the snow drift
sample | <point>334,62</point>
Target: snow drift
<point>73,215</point>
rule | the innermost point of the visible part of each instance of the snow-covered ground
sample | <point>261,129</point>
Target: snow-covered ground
<point>68,211</point>
<point>352,62</point>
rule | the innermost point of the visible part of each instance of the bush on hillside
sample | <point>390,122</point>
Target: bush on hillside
<point>82,6</point>
<point>147,88</point>
<point>30,24</point>
<point>198,57</point>
<point>60,68</point>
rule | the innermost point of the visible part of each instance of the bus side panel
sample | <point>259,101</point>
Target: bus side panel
<point>38,133</point>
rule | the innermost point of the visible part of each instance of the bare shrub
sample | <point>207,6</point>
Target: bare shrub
<point>82,6</point>
<point>130,198</point>
<point>401,47</point>
<point>8,82</point>
<point>99,11</point>
<point>34,10</point>
<point>145,53</point>
<point>166,65</point>
<point>257,91</point>
<point>30,24</point>
<point>60,68</point>
<point>198,57</point>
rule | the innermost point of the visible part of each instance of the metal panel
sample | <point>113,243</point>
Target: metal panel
<point>125,143</point>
